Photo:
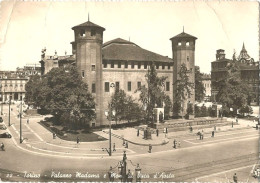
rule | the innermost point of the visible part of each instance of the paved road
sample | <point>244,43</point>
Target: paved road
<point>194,160</point>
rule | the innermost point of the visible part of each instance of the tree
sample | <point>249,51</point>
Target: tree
<point>61,92</point>
<point>246,109</point>
<point>154,95</point>
<point>183,90</point>
<point>233,92</point>
<point>32,89</point>
<point>124,106</point>
<point>199,87</point>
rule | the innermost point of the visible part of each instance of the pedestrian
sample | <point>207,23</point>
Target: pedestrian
<point>215,128</point>
<point>126,144</point>
<point>213,133</point>
<point>77,140</point>
<point>174,144</point>
<point>166,130</point>
<point>54,135</point>
<point>232,124</point>
<point>123,142</point>
<point>236,120</point>
<point>150,148</point>
<point>235,178</point>
<point>179,144</point>
<point>202,135</point>
<point>191,129</point>
<point>114,147</point>
<point>157,132</point>
<point>137,132</point>
<point>28,121</point>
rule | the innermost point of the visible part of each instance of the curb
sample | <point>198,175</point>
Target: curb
<point>141,144</point>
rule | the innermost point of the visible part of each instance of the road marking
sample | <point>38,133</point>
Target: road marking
<point>34,133</point>
<point>212,141</point>
<point>221,172</point>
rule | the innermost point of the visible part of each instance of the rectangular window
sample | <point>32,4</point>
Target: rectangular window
<point>139,65</point>
<point>93,67</point>
<point>93,88</point>
<point>105,64</point>
<point>145,65</point>
<point>167,86</point>
<point>119,64</point>
<point>126,65</point>
<point>112,64</point>
<point>82,32</point>
<point>106,86</point>
<point>82,73</point>
<point>117,86</point>
<point>93,32</point>
<point>129,87</point>
<point>133,65</point>
<point>163,66</point>
<point>157,66</point>
<point>139,84</point>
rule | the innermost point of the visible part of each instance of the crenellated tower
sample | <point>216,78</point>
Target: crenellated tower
<point>88,50</point>
<point>183,52</point>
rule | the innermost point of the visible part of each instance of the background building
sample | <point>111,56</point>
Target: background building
<point>249,72</point>
<point>206,81</point>
<point>12,83</point>
<point>120,64</point>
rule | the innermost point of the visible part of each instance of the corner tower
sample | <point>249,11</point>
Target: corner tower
<point>183,52</point>
<point>88,50</point>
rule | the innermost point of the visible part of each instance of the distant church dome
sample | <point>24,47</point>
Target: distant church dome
<point>244,57</point>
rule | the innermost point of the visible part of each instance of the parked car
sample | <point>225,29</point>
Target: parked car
<point>5,135</point>
<point>2,127</point>
<point>1,120</point>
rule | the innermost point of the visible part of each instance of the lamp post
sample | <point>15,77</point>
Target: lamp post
<point>21,111</point>
<point>10,98</point>
<point>107,115</point>
<point>138,173</point>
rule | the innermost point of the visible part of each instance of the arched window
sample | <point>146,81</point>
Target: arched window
<point>179,43</point>
<point>187,43</point>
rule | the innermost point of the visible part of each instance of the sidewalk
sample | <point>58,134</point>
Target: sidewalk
<point>130,135</point>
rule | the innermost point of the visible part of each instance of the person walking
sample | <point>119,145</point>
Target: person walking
<point>54,136</point>
<point>202,135</point>
<point>174,144</point>
<point>28,121</point>
<point>150,148</point>
<point>114,147</point>
<point>215,128</point>
<point>236,120</point>
<point>137,132</point>
<point>126,144</point>
<point>232,124</point>
<point>213,133</point>
<point>77,140</point>
<point>157,132</point>
<point>235,178</point>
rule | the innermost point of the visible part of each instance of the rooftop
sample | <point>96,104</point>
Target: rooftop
<point>183,35</point>
<point>88,24</point>
<point>120,49</point>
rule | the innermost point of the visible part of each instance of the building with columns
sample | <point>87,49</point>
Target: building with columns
<point>121,64</point>
<point>12,83</point>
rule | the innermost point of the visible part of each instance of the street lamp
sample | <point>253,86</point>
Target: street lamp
<point>10,98</point>
<point>21,111</point>
<point>107,115</point>
<point>138,173</point>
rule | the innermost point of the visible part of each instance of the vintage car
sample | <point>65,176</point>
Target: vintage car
<point>5,135</point>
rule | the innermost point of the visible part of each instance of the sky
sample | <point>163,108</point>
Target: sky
<point>27,27</point>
